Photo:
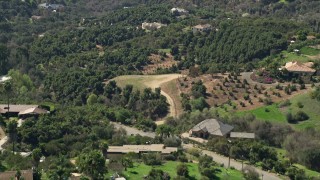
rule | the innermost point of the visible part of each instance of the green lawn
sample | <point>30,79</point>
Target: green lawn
<point>309,51</point>
<point>291,56</point>
<point>310,106</point>
<point>165,50</point>
<point>275,114</point>
<point>140,170</point>
<point>268,113</point>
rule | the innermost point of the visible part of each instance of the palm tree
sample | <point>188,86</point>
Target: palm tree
<point>12,131</point>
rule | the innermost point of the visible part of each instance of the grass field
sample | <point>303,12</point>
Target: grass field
<point>165,50</point>
<point>291,56</point>
<point>309,51</point>
<point>276,114</point>
<point>140,170</point>
<point>268,113</point>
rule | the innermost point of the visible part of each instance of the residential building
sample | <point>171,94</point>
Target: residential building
<point>21,110</point>
<point>51,6</point>
<point>211,127</point>
<point>152,26</point>
<point>201,28</point>
<point>179,11</point>
<point>116,151</point>
<point>299,68</point>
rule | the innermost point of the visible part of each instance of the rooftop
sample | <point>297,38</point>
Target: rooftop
<point>142,148</point>
<point>16,108</point>
<point>33,110</point>
<point>213,127</point>
<point>202,26</point>
<point>299,67</point>
<point>242,135</point>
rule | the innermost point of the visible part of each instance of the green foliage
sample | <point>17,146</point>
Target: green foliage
<point>157,174</point>
<point>152,159</point>
<point>92,99</point>
<point>198,90</point>
<point>4,54</point>
<point>182,170</point>
<point>198,104</point>
<point>92,163</point>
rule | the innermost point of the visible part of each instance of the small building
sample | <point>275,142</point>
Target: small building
<point>202,28</point>
<point>304,69</point>
<point>117,151</point>
<point>9,175</point>
<point>21,110</point>
<point>211,127</point>
<point>51,6</point>
<point>179,11</point>
<point>152,26</point>
<point>4,79</point>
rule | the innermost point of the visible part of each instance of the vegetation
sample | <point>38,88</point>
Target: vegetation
<point>69,60</point>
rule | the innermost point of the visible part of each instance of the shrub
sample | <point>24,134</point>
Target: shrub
<point>152,159</point>
<point>284,103</point>
<point>290,118</point>
<point>267,110</point>
<point>301,116</point>
<point>300,105</point>
<point>267,101</point>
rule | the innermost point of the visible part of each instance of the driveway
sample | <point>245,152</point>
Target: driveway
<point>233,163</point>
<point>216,157</point>
<point>133,131</point>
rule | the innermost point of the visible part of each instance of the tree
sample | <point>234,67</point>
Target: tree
<point>36,155</point>
<point>164,130</point>
<point>250,173</point>
<point>92,99</point>
<point>182,170</point>
<point>4,54</point>
<point>157,174</point>
<point>92,164</point>
<point>126,162</point>
<point>12,131</point>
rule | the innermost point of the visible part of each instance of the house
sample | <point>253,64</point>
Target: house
<point>4,78</point>
<point>211,127</point>
<point>304,69</point>
<point>299,70</point>
<point>179,11</point>
<point>152,26</point>
<point>116,151</point>
<point>21,110</point>
<point>9,175</point>
<point>201,28</point>
<point>51,6</point>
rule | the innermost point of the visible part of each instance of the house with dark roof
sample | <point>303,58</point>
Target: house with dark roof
<point>211,127</point>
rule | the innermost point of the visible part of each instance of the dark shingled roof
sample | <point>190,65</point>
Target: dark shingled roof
<point>213,127</point>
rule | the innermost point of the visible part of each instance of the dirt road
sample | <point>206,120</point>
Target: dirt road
<point>151,81</point>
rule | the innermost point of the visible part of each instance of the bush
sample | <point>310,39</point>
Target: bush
<point>250,173</point>
<point>152,159</point>
<point>301,116</point>
<point>267,101</point>
<point>290,118</point>
<point>182,170</point>
<point>300,105</point>
<point>284,103</point>
<point>194,151</point>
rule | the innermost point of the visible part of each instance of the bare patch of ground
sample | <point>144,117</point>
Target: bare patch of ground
<point>156,61</point>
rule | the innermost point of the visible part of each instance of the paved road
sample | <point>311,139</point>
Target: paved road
<point>134,131</point>
<point>233,163</point>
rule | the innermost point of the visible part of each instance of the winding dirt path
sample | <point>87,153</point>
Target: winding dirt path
<point>152,81</point>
